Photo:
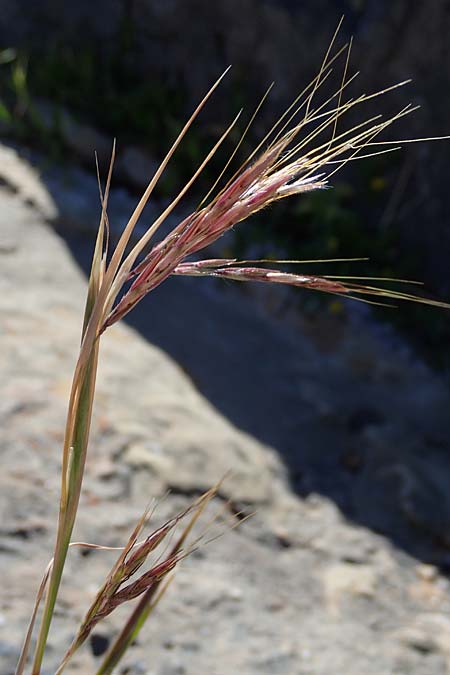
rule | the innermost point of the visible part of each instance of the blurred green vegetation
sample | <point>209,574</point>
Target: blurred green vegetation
<point>107,94</point>
<point>343,222</point>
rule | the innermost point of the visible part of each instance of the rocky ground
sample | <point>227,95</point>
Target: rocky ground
<point>335,434</point>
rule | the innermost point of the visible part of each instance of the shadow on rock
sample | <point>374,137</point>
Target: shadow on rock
<point>352,414</point>
<point>364,425</point>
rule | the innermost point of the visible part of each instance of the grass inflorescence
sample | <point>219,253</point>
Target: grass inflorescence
<point>306,146</point>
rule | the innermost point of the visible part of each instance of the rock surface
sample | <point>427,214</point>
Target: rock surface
<point>335,435</point>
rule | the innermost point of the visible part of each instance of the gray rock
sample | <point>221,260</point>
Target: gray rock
<point>9,654</point>
<point>304,586</point>
<point>83,139</point>
<point>136,167</point>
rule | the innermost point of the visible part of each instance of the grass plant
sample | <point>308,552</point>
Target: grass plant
<point>306,146</point>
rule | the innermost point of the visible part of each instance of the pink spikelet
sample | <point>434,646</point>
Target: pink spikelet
<point>297,160</point>
<point>253,190</point>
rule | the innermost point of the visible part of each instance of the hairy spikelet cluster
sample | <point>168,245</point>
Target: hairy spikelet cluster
<point>295,157</point>
<point>124,582</point>
<point>255,188</point>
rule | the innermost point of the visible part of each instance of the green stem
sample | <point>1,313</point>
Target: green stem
<point>69,506</point>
